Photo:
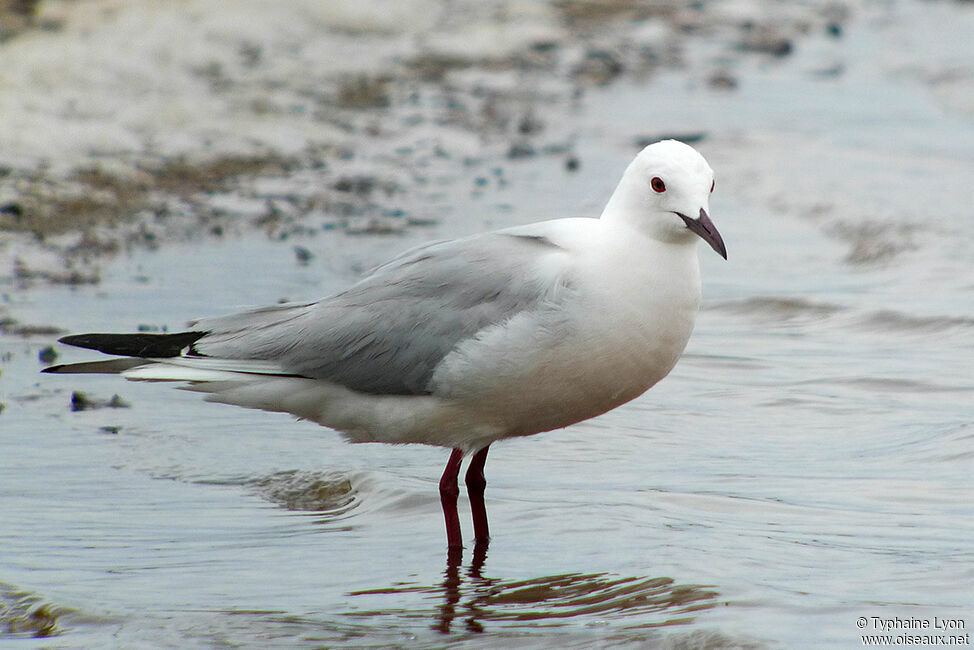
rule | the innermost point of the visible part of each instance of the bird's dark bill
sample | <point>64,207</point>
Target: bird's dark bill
<point>706,230</point>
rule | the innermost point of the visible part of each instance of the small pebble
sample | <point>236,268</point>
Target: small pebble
<point>47,355</point>
<point>303,255</point>
<point>520,150</point>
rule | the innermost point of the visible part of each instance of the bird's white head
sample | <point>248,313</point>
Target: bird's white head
<point>665,192</point>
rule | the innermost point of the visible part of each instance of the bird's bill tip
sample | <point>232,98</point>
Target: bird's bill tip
<point>704,228</point>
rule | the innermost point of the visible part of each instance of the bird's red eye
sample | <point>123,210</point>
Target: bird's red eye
<point>658,185</point>
<point>713,184</point>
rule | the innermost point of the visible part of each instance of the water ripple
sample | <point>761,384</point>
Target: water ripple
<point>332,493</point>
<point>545,601</point>
<point>780,308</point>
<point>794,310</point>
<point>894,321</point>
<point>23,614</point>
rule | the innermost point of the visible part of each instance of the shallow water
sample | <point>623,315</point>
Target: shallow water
<point>806,464</point>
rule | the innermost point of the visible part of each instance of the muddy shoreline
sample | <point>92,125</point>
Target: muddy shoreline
<point>438,110</point>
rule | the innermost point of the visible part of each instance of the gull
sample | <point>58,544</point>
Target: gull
<point>466,342</point>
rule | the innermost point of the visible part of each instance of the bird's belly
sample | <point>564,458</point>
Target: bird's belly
<point>562,376</point>
<point>567,390</point>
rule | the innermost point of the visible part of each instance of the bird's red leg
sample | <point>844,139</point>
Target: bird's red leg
<point>475,489</point>
<point>449,491</point>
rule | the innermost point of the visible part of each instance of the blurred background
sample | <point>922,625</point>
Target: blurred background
<point>807,463</point>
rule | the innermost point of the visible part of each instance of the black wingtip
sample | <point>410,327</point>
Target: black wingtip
<point>155,346</point>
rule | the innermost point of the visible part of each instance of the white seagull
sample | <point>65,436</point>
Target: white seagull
<point>462,343</point>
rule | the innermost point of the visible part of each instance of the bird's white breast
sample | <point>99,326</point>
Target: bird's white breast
<point>617,326</point>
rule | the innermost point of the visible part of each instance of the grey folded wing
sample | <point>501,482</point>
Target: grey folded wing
<point>387,333</point>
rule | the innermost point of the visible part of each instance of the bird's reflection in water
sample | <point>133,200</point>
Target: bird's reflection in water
<point>469,600</point>
<point>452,587</point>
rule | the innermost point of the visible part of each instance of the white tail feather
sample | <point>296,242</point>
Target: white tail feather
<point>202,369</point>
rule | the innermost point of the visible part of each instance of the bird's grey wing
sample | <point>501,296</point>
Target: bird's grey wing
<point>387,333</point>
